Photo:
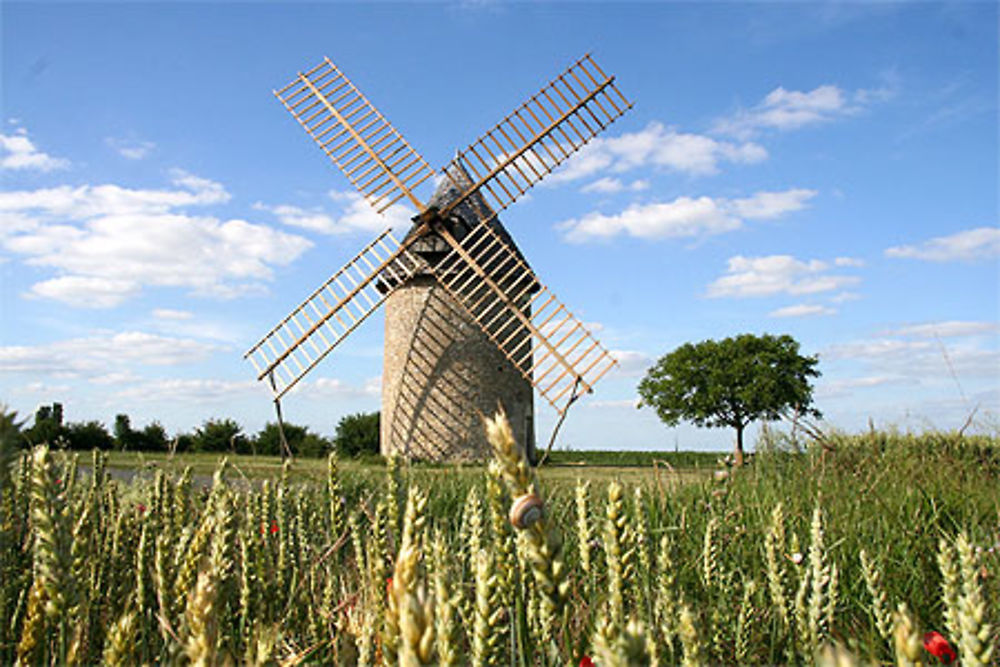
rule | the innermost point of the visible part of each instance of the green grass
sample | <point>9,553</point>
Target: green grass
<point>893,495</point>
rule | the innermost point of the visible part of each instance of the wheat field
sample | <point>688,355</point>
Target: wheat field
<point>844,554</point>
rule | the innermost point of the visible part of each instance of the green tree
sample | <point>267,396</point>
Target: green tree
<point>357,434</point>
<point>268,440</point>
<point>125,438</point>
<point>219,435</point>
<point>153,438</point>
<point>731,383</point>
<point>88,435</point>
<point>48,426</point>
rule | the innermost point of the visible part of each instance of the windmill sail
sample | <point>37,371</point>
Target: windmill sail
<point>359,140</point>
<point>539,135</point>
<point>541,338</point>
<point>335,309</point>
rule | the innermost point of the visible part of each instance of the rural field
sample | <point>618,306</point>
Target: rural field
<point>844,551</point>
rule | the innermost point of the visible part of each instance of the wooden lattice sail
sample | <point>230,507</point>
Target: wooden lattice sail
<point>457,236</point>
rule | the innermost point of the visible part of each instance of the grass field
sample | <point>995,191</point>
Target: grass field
<point>793,557</point>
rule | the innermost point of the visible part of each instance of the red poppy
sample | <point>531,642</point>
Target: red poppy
<point>585,661</point>
<point>274,527</point>
<point>388,586</point>
<point>142,508</point>
<point>938,646</point>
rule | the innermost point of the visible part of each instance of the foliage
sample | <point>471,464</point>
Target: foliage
<point>88,435</point>
<point>300,440</point>
<point>11,439</point>
<point>48,425</point>
<point>357,434</point>
<point>153,438</point>
<point>219,435</point>
<point>731,383</point>
<point>762,566</point>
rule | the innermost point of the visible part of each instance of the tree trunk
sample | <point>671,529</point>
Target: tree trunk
<point>738,453</point>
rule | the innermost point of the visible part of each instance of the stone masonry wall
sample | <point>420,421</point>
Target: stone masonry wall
<point>440,373</point>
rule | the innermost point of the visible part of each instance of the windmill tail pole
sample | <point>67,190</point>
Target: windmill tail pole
<point>555,431</point>
<point>286,451</point>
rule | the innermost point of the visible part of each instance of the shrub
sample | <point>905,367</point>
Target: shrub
<point>88,435</point>
<point>357,434</point>
<point>300,441</point>
<point>219,435</point>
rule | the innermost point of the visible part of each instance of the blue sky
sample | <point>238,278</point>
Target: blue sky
<point>823,170</point>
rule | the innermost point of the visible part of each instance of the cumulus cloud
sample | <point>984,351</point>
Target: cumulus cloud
<point>98,355</point>
<point>685,217</point>
<point>777,274</point>
<point>631,363</point>
<point>659,146</point>
<point>19,153</point>
<point>609,186</point>
<point>923,361</point>
<point>355,215</point>
<point>783,109</point>
<point>171,314</point>
<point>86,292</point>
<point>107,242</point>
<point>186,391</point>
<point>969,245</point>
<point>802,310</point>
<point>770,205</point>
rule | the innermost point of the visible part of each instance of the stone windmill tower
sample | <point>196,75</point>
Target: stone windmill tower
<point>468,324</point>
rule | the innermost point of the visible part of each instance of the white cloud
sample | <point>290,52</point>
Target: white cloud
<point>776,274</point>
<point>923,361</point>
<point>327,387</point>
<point>770,205</point>
<point>187,391</point>
<point>684,217</point>
<point>131,149</point>
<point>844,297</point>
<point>948,329</point>
<point>107,242</point>
<point>171,314</point>
<point>783,109</point>
<point>610,186</point>
<point>17,152</point>
<point>604,185</point>
<point>656,146</point>
<point>86,292</point>
<point>99,355</point>
<point>968,245</point>
<point>802,310</point>
<point>356,215</point>
<point>627,403</point>
<point>631,363</point>
<point>43,389</point>
<point>845,387</point>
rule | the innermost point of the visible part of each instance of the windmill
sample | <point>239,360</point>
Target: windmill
<point>467,323</point>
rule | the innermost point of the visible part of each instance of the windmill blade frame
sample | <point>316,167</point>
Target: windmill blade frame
<point>336,308</point>
<point>538,136</point>
<point>552,349</point>
<point>355,136</point>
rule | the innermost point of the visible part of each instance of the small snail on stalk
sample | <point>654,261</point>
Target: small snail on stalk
<point>526,510</point>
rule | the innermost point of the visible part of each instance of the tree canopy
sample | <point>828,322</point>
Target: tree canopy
<point>731,383</point>
<point>357,434</point>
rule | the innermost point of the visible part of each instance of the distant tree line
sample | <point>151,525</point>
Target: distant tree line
<point>355,435</point>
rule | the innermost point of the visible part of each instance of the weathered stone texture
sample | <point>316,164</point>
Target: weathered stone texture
<point>440,374</point>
